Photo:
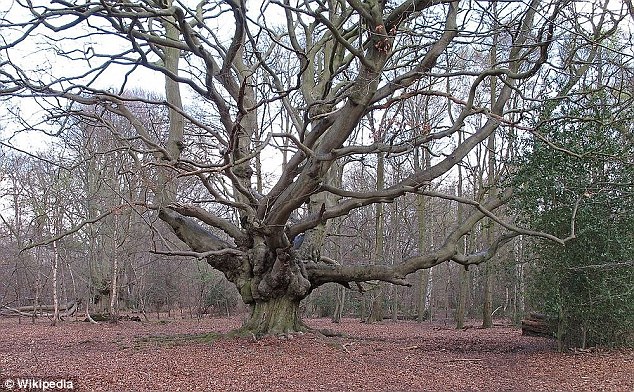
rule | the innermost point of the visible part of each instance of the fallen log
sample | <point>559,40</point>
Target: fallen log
<point>65,310</point>
<point>108,317</point>
<point>537,324</point>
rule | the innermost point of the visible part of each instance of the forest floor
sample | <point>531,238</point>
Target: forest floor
<point>181,355</point>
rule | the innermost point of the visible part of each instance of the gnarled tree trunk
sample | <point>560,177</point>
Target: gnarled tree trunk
<point>274,316</point>
<point>272,281</point>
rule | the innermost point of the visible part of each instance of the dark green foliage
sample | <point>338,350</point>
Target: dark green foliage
<point>589,282</point>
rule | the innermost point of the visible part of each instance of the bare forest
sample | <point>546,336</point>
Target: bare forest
<point>416,164</point>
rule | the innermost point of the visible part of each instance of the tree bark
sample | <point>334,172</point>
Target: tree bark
<point>54,282</point>
<point>38,281</point>
<point>377,309</point>
<point>115,273</point>
<point>341,301</point>
<point>426,275</point>
<point>64,310</point>
<point>277,316</point>
<point>463,291</point>
<point>463,274</point>
<point>487,306</point>
<point>519,306</point>
<point>394,303</point>
<point>537,324</point>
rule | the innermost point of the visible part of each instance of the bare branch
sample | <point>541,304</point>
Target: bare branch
<point>75,229</point>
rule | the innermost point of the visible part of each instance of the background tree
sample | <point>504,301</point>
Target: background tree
<point>581,166</point>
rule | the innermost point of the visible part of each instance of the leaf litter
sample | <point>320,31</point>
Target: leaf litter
<point>194,355</point>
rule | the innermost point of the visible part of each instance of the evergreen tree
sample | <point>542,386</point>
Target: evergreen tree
<point>581,170</point>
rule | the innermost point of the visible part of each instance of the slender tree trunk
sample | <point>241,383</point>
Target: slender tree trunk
<point>340,291</point>
<point>377,311</point>
<point>394,303</point>
<point>428,291</point>
<point>397,253</point>
<point>463,291</point>
<point>519,281</point>
<point>447,291</point>
<point>115,273</point>
<point>376,304</point>
<point>340,305</point>
<point>113,289</point>
<point>422,289</point>
<point>38,282</point>
<point>54,283</point>
<point>363,308</point>
<point>426,275</point>
<point>463,274</point>
<point>487,308</point>
<point>20,258</point>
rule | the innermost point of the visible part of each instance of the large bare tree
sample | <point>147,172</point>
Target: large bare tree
<point>277,96</point>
